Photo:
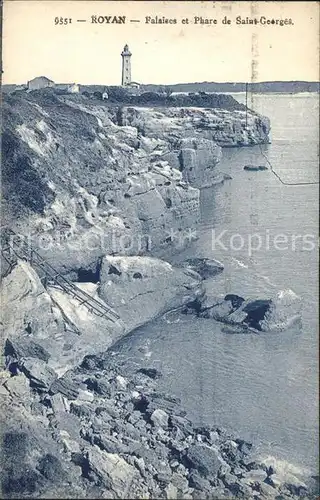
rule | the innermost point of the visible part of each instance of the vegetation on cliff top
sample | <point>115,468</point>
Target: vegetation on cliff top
<point>122,96</point>
<point>162,97</point>
<point>55,143</point>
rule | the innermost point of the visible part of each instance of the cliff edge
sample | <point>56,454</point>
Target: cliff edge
<point>77,170</point>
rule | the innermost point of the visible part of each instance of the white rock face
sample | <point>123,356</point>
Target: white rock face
<point>159,418</point>
<point>52,320</point>
<point>53,324</point>
<point>198,159</point>
<point>121,382</point>
<point>140,288</point>
<point>226,128</point>
<point>142,168</point>
<point>26,304</point>
<point>115,472</point>
<point>285,311</point>
<point>103,181</point>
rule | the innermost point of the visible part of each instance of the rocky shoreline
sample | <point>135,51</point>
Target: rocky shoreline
<point>101,430</point>
<point>74,423</point>
<point>97,433</point>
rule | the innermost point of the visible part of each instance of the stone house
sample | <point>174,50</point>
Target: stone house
<point>40,82</point>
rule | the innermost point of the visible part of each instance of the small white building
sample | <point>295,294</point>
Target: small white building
<point>40,82</point>
<point>105,96</point>
<point>73,88</point>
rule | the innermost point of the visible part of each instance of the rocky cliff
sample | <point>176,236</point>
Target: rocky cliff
<point>57,329</point>
<point>93,179</point>
<point>79,422</point>
<point>93,187</point>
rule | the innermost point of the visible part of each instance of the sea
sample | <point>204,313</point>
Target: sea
<point>260,387</point>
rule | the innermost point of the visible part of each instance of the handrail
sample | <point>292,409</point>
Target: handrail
<point>36,260</point>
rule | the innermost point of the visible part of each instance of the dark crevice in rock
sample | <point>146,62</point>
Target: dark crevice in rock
<point>28,328</point>
<point>89,275</point>
<point>114,270</point>
<point>150,372</point>
<point>235,300</point>
<point>137,275</point>
<point>141,404</point>
<point>83,462</point>
<point>13,368</point>
<point>256,312</point>
<point>195,306</point>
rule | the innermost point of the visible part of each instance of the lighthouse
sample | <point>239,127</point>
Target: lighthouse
<point>126,66</point>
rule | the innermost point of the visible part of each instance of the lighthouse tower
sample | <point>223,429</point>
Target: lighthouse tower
<point>126,66</point>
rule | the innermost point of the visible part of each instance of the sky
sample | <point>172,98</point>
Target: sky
<point>89,53</point>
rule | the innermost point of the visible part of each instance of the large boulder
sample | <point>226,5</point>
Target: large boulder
<point>140,288</point>
<point>207,268</point>
<point>30,320</point>
<point>26,306</point>
<point>284,311</point>
<point>204,459</point>
<point>49,327</point>
<point>272,314</point>
<point>112,471</point>
<point>219,312</point>
<point>39,373</point>
<point>24,347</point>
<point>222,308</point>
<point>159,418</point>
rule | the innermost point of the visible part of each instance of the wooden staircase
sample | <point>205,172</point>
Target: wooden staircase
<point>16,248</point>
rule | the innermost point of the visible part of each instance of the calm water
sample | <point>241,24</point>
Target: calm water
<point>261,387</point>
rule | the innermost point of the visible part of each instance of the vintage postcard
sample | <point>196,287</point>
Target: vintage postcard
<point>159,249</point>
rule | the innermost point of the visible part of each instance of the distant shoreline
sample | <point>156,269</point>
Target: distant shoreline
<point>259,87</point>
<point>272,87</point>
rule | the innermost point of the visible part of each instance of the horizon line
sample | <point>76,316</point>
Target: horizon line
<point>177,83</point>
